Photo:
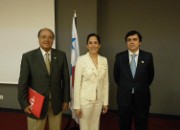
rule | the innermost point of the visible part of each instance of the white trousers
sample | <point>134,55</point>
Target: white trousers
<point>39,124</point>
<point>90,116</point>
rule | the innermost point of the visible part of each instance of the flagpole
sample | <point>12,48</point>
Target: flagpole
<point>75,13</point>
<point>75,17</point>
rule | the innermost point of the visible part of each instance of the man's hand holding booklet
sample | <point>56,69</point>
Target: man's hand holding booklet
<point>36,101</point>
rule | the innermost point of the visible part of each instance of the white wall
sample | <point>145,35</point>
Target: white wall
<point>20,22</point>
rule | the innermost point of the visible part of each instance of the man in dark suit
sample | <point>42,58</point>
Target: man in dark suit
<point>49,79</point>
<point>133,92</point>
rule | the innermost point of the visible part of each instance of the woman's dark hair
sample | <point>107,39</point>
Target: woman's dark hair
<point>93,35</point>
<point>133,32</point>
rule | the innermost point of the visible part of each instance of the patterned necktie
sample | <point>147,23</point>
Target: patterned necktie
<point>47,62</point>
<point>133,65</point>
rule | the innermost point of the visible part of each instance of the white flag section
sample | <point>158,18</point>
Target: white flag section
<point>74,56</point>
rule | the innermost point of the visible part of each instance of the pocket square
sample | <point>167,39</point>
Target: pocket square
<point>142,62</point>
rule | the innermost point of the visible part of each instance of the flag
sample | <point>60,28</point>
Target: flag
<point>74,56</point>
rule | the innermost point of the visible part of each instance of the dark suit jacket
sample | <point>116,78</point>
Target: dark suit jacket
<point>143,78</point>
<point>34,74</point>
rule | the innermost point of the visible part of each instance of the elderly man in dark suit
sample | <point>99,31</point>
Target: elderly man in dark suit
<point>133,74</point>
<point>49,79</point>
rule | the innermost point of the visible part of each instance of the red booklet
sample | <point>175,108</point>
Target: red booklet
<point>36,101</point>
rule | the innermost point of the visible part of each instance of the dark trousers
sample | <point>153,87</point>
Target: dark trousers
<point>138,113</point>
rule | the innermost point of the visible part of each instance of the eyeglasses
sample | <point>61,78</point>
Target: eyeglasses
<point>46,37</point>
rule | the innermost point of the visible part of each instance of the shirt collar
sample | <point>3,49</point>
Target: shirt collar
<point>130,52</point>
<point>43,52</point>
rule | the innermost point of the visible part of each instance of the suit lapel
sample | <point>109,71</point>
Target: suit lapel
<point>100,61</point>
<point>91,64</point>
<point>53,60</point>
<point>139,64</point>
<point>127,65</point>
<point>40,59</point>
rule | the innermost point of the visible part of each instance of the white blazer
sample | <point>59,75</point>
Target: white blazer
<point>90,83</point>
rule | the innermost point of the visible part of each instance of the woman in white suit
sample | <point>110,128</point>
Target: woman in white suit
<point>91,87</point>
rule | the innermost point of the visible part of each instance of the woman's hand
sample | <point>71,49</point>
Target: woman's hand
<point>104,109</point>
<point>78,113</point>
